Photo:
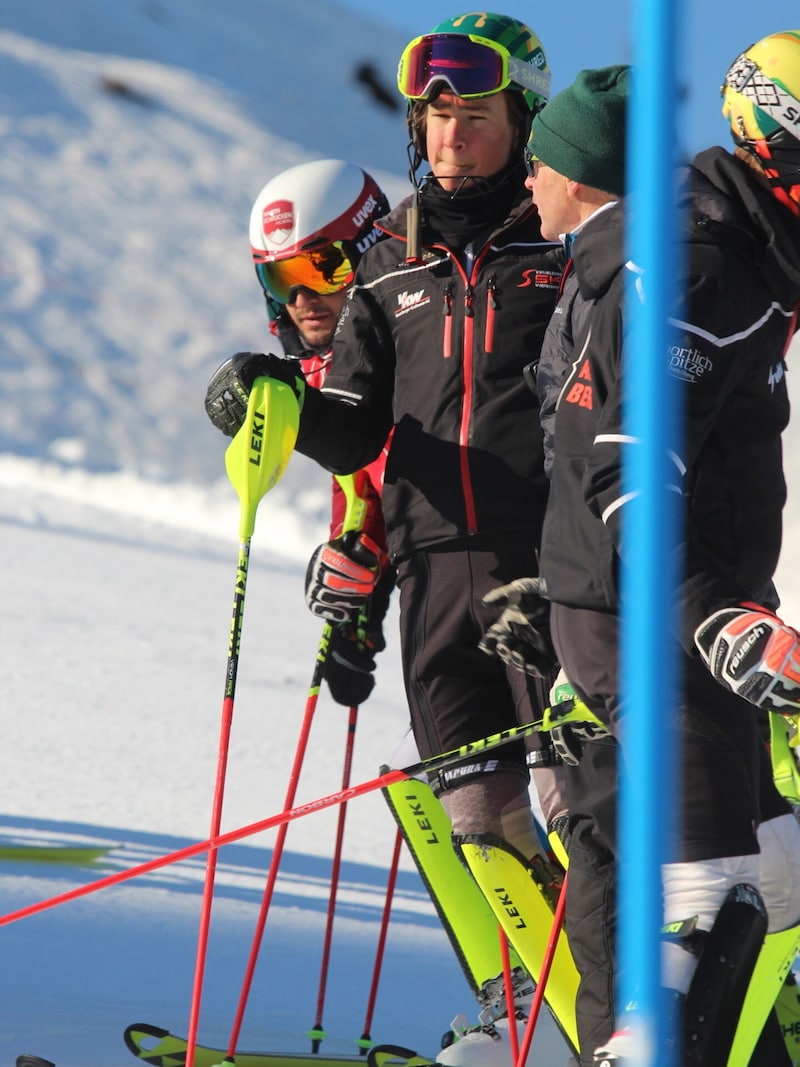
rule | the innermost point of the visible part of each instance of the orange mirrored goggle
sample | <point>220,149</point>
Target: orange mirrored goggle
<point>325,271</point>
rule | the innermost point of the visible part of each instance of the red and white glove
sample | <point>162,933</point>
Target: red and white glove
<point>753,653</point>
<point>341,575</point>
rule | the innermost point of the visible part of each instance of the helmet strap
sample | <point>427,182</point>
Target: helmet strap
<point>413,229</point>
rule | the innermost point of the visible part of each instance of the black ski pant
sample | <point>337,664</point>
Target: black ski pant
<point>725,789</point>
<point>456,693</point>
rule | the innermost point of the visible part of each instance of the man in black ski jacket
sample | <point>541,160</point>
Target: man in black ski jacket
<point>444,314</point>
<point>727,346</point>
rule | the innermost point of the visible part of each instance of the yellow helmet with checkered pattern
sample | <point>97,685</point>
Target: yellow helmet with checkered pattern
<point>761,101</point>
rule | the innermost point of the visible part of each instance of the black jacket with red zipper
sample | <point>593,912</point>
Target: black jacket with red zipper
<point>437,349</point>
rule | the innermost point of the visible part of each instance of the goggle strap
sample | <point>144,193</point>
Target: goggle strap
<point>748,79</point>
<point>526,75</point>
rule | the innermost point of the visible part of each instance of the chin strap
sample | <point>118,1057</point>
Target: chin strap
<point>413,220</point>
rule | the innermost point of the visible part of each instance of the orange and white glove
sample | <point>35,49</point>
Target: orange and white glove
<point>752,652</point>
<point>341,575</point>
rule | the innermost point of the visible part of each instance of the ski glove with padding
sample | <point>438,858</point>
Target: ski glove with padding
<point>341,575</point>
<point>229,388</point>
<point>752,652</point>
<point>568,737</point>
<point>521,636</point>
<point>350,666</point>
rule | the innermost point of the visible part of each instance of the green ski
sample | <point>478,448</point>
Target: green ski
<point>77,855</point>
<point>159,1047</point>
<point>462,909</point>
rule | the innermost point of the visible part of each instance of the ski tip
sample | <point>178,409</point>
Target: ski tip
<point>70,855</point>
<point>395,1056</point>
<point>27,1059</point>
<point>138,1036</point>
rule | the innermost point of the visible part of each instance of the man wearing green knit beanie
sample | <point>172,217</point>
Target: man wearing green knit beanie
<point>738,279</point>
<point>576,162</point>
<point>581,132</point>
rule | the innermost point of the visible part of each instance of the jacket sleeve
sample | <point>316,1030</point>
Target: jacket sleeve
<point>709,360</point>
<point>345,425</point>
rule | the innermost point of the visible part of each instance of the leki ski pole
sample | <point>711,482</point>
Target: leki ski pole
<point>547,963</point>
<point>277,851</point>
<point>365,1041</point>
<point>355,514</point>
<point>354,518</point>
<point>400,774</point>
<point>508,984</point>
<point>317,1032</point>
<point>255,460</point>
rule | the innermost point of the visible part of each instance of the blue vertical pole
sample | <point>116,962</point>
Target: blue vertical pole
<point>647,782</point>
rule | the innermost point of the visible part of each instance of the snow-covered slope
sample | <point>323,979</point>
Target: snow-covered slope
<point>135,136</point>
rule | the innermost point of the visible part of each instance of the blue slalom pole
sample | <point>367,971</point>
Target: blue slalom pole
<point>648,786</point>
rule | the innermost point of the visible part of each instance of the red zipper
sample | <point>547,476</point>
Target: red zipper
<point>491,307</point>
<point>447,338</point>
<point>466,410</point>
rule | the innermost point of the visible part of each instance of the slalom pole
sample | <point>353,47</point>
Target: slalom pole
<point>547,963</point>
<point>651,530</point>
<point>317,1032</point>
<point>355,512</point>
<point>277,852</point>
<point>366,1037</point>
<point>255,460</point>
<point>400,774</point>
<point>508,983</point>
<point>354,517</point>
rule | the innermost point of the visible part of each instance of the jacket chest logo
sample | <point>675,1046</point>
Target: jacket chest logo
<point>689,364</point>
<point>407,301</point>
<point>539,279</point>
<point>581,391</point>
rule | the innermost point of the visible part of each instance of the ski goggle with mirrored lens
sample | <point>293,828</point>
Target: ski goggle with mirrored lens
<point>472,67</point>
<point>325,271</point>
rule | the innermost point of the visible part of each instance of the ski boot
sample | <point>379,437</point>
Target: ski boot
<point>485,1045</point>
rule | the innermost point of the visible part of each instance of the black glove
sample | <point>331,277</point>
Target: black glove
<point>352,650</point>
<point>521,636</point>
<point>570,729</point>
<point>341,575</point>
<point>349,667</point>
<point>750,651</point>
<point>229,388</point>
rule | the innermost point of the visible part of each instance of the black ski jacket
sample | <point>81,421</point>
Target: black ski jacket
<point>436,348</point>
<point>727,347</point>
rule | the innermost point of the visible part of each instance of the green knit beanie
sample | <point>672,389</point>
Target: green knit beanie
<point>580,132</point>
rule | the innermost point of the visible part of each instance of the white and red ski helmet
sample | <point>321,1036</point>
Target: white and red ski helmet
<point>314,204</point>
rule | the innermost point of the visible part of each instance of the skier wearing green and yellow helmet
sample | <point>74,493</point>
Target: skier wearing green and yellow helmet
<point>443,316</point>
<point>761,101</point>
<point>473,56</point>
